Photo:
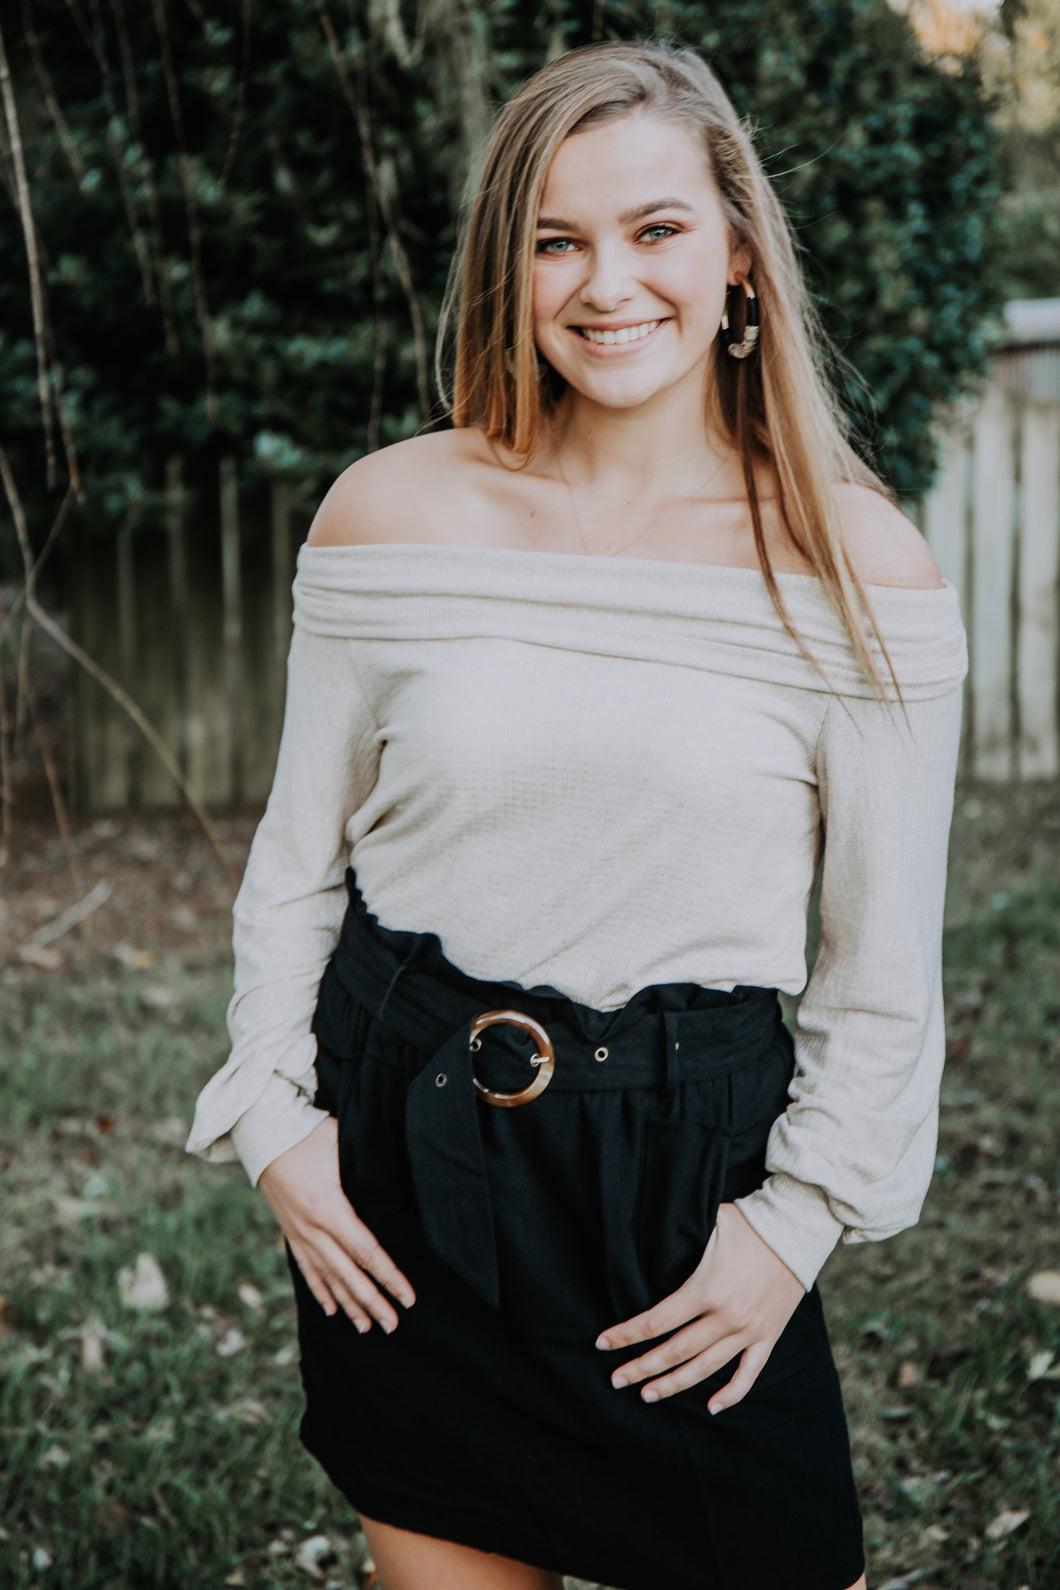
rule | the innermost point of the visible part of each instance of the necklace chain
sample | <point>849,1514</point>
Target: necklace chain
<point>616,551</point>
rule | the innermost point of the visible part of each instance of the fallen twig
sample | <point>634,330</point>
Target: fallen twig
<point>73,914</point>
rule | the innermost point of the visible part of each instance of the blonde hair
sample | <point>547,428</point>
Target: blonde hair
<point>775,407</point>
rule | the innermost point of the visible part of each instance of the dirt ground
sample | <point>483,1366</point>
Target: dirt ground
<point>163,892</point>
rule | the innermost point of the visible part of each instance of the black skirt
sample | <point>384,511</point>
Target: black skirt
<point>488,1416</point>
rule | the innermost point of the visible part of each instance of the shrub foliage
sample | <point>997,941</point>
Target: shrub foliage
<point>244,215</point>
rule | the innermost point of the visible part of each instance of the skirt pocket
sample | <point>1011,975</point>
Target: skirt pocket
<point>342,1028</point>
<point>681,1183</point>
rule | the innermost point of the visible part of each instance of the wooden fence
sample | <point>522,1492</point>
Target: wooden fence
<point>993,523</point>
<point>190,608</point>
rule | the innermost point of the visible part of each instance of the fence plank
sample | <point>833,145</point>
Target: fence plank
<point>99,760</point>
<point>177,569</point>
<point>280,504</point>
<point>1038,642</point>
<point>154,687</point>
<point>232,601</point>
<point>945,509</point>
<point>208,728</point>
<point>993,546</point>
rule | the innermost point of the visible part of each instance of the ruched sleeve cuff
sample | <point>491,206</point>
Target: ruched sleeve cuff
<point>288,913</point>
<point>795,1219</point>
<point>851,1158</point>
<point>278,1120</point>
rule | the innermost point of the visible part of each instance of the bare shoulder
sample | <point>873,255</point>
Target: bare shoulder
<point>885,546</point>
<point>409,491</point>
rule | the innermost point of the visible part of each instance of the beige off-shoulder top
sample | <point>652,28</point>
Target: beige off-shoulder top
<point>602,773</point>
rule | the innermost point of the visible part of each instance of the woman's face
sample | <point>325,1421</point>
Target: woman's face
<point>632,261</point>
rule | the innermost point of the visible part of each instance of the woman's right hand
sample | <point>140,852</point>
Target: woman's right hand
<point>334,1250</point>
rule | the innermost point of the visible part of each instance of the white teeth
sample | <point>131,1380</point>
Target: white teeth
<point>625,334</point>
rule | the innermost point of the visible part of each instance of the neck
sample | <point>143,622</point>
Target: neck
<point>660,449</point>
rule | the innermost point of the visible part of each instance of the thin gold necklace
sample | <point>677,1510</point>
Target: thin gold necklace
<point>616,551</point>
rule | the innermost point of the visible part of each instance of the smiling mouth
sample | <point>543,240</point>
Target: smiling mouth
<point>620,335</point>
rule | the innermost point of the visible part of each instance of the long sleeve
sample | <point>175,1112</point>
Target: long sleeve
<point>288,912</point>
<point>852,1156</point>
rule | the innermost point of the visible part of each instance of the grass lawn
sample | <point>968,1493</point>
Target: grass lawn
<point>159,1447</point>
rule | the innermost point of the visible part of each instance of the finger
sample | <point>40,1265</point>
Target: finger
<point>361,1245</point>
<point>320,1292</point>
<point>376,1261</point>
<point>690,1373</point>
<point>313,1279</point>
<point>751,1365</point>
<point>677,1309</point>
<point>698,1342</point>
<point>350,1284</point>
<point>350,1306</point>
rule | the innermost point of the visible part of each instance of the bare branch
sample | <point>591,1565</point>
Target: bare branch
<point>117,154</point>
<point>386,209</point>
<point>52,536</point>
<point>7,792</point>
<point>51,773</point>
<point>191,209</point>
<point>47,90</point>
<point>147,177</point>
<point>74,914</point>
<point>241,97</point>
<point>29,235</point>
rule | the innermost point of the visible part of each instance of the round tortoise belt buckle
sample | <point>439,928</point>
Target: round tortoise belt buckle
<point>544,1059</point>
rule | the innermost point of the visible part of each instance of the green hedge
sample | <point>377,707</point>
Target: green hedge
<point>231,287</point>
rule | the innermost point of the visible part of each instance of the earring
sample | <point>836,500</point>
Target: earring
<point>749,340</point>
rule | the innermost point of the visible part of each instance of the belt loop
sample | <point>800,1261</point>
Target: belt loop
<point>406,964</point>
<point>673,1060</point>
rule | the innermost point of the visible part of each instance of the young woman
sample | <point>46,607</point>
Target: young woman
<point>580,694</point>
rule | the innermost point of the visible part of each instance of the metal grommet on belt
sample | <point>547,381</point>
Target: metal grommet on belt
<point>544,1060</point>
<point>601,1053</point>
<point>440,1080</point>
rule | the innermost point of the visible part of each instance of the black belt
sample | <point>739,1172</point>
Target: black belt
<point>665,1034</point>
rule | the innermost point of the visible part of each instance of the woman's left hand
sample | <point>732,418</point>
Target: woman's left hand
<point>738,1299</point>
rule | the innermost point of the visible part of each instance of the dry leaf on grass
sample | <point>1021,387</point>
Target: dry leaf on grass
<point>311,1553</point>
<point>1044,1287</point>
<point>91,1352</point>
<point>1005,1523</point>
<point>44,956</point>
<point>233,1341</point>
<point>133,960</point>
<point>71,1210</point>
<point>144,1286</point>
<point>157,996</point>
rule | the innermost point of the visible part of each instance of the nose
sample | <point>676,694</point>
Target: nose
<point>608,282</point>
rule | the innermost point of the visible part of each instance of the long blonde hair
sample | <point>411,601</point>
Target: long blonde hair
<point>775,408</point>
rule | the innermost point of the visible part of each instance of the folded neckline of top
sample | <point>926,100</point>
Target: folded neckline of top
<point>343,549</point>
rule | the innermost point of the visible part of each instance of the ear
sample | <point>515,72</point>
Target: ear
<point>739,263</point>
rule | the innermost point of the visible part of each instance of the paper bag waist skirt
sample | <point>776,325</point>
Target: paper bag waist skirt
<point>488,1416</point>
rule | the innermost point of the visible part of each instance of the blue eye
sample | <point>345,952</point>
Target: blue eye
<point>660,226</point>
<point>547,245</point>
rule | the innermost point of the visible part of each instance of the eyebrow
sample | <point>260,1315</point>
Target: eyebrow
<point>642,210</point>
